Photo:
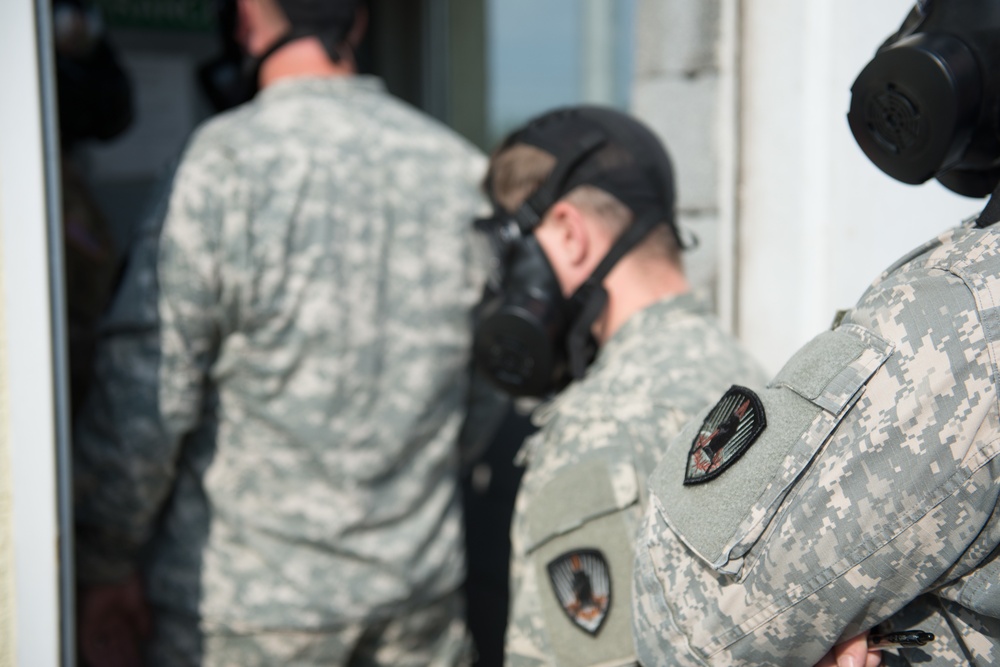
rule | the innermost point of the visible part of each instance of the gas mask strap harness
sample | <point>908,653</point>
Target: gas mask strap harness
<point>991,213</point>
<point>591,297</point>
<point>503,227</point>
<point>530,214</point>
<point>329,22</point>
<point>329,37</point>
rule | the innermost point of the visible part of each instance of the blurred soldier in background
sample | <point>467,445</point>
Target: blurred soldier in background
<point>859,488</point>
<point>590,263</point>
<point>95,103</point>
<point>268,454</point>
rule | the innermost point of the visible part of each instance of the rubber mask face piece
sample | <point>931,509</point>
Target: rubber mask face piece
<point>926,106</point>
<point>521,327</point>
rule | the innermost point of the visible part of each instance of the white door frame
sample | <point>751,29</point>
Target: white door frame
<point>33,417</point>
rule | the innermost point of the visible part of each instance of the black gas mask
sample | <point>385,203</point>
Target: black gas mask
<point>928,104</point>
<point>530,339</point>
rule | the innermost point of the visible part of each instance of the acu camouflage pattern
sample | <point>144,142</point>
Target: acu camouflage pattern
<point>432,636</point>
<point>282,376</point>
<point>883,511</point>
<point>663,365</point>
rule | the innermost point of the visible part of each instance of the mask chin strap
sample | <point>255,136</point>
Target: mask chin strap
<point>580,345</point>
<point>990,214</point>
<point>329,38</point>
<point>591,298</point>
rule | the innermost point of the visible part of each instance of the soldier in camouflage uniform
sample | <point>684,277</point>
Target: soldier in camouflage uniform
<point>271,437</point>
<point>662,357</point>
<point>860,487</point>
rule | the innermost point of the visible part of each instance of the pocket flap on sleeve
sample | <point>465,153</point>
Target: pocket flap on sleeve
<point>829,369</point>
<point>721,519</point>
<point>585,492</point>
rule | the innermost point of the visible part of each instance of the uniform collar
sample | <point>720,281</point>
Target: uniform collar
<point>324,85</point>
<point>650,321</point>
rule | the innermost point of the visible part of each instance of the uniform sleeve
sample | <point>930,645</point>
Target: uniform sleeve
<point>873,484</point>
<point>571,568</point>
<point>156,346</point>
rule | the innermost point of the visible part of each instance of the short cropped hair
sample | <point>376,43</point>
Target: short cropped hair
<point>516,172</point>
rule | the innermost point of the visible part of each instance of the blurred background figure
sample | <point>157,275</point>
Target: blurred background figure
<point>267,469</point>
<point>95,103</point>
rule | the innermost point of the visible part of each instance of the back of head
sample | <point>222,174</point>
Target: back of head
<point>330,21</point>
<point>320,16</point>
<point>233,77</point>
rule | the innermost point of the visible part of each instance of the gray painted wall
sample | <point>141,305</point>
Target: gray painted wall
<point>751,98</point>
<point>681,84</point>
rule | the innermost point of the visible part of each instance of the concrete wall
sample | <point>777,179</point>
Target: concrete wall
<point>751,97</point>
<point>817,221</point>
<point>683,88</point>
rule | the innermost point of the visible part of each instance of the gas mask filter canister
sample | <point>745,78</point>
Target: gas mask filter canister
<point>928,104</point>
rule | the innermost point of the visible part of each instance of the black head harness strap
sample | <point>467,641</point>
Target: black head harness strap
<point>990,214</point>
<point>529,215</point>
<point>330,38</point>
<point>531,335</point>
<point>591,297</point>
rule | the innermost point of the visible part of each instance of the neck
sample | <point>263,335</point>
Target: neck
<point>303,57</point>
<point>634,285</point>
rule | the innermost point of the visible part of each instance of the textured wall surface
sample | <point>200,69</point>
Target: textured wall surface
<point>751,98</point>
<point>679,91</point>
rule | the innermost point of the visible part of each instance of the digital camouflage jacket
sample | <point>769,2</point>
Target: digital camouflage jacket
<point>280,382</point>
<point>870,496</point>
<point>582,496</point>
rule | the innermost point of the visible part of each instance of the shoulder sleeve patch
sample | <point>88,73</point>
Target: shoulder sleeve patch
<point>582,529</point>
<point>581,580</point>
<point>721,521</point>
<point>735,422</point>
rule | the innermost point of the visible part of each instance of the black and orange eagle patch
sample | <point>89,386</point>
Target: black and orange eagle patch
<point>735,422</point>
<point>581,580</point>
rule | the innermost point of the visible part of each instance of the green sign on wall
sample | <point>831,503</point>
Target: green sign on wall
<point>191,15</point>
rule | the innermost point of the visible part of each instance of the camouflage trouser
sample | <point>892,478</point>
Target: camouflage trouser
<point>432,636</point>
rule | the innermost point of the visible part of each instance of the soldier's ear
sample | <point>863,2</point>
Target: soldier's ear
<point>571,232</point>
<point>565,242</point>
